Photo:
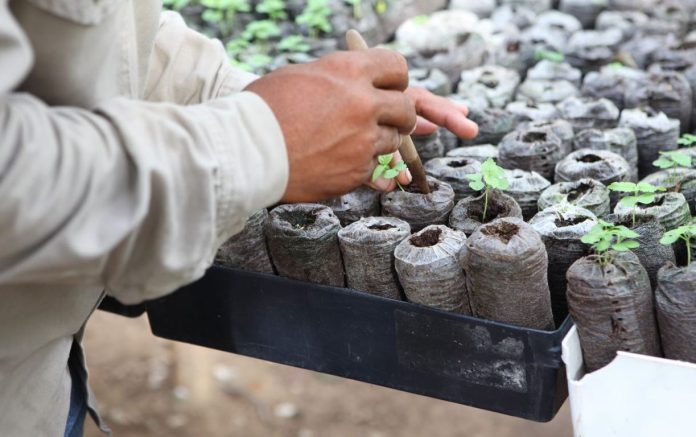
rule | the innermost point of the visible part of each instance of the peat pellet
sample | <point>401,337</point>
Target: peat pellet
<point>420,210</point>
<point>664,91</point>
<point>643,46</point>
<point>368,254</point>
<point>429,146</point>
<point>681,180</point>
<point>588,50</point>
<point>496,84</point>
<point>467,215</point>
<point>531,150</point>
<point>675,303</point>
<point>651,253</point>
<point>505,263</point>
<point>303,243</point>
<point>621,141</point>
<point>558,22</point>
<point>553,71</point>
<point>454,171</point>
<point>669,209</point>
<point>600,165</point>
<point>585,113</point>
<point>449,140</point>
<point>480,152</point>
<point>247,249</point>
<point>612,83</point>
<point>612,308</point>
<point>626,21</point>
<point>493,125</point>
<point>432,79</point>
<point>526,188</point>
<point>533,111</point>
<point>359,203</point>
<point>654,131</point>
<point>513,51</point>
<point>586,11</point>
<point>427,264</point>
<point>585,193</point>
<point>537,6</point>
<point>561,228</point>
<point>561,128</point>
<point>539,91</point>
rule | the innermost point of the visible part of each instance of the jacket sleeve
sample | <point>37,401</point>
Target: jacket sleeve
<point>132,196</point>
<point>187,67</point>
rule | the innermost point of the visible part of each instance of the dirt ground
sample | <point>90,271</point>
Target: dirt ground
<point>152,387</point>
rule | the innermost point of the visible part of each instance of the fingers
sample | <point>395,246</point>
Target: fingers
<point>404,177</point>
<point>387,69</point>
<point>396,110</point>
<point>388,141</point>
<point>443,112</point>
<point>424,127</point>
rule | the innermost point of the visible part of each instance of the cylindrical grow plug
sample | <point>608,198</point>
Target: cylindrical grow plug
<point>669,209</point>
<point>480,153</point>
<point>351,207</point>
<point>584,193</point>
<point>303,242</point>
<point>420,210</point>
<point>538,91</point>
<point>664,91</point>
<point>561,227</point>
<point>531,150</point>
<point>586,11</point>
<point>467,215</point>
<point>675,302</point>
<point>654,133</point>
<point>561,128</point>
<point>600,165</point>
<point>247,249</point>
<point>628,22</point>
<point>586,113</point>
<point>681,180</point>
<point>496,84</point>
<point>429,146</point>
<point>611,83</point>
<point>588,50</point>
<point>493,125</point>
<point>526,188</point>
<point>533,111</point>
<point>450,141</point>
<point>505,263</point>
<point>428,267</point>
<point>552,71</point>
<point>368,254</point>
<point>432,79</point>
<point>620,140</point>
<point>454,171</point>
<point>612,307</point>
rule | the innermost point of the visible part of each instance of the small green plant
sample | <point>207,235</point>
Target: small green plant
<point>673,159</point>
<point>316,17</point>
<point>605,237</point>
<point>381,6</point>
<point>490,177</point>
<point>385,169</point>
<point>293,44</point>
<point>685,233</point>
<point>687,140</point>
<point>275,9</point>
<point>222,12</point>
<point>641,192</point>
<point>357,8</point>
<point>261,30</point>
<point>549,55</point>
<point>616,65</point>
<point>176,5</point>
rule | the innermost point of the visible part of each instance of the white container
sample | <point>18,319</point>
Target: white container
<point>634,396</point>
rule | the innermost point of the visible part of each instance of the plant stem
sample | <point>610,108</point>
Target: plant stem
<point>485,205</point>
<point>402,188</point>
<point>634,215</point>
<point>688,250</point>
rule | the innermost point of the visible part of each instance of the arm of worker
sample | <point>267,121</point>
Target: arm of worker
<point>132,196</point>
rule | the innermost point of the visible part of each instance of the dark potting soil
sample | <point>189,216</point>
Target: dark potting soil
<point>675,301</point>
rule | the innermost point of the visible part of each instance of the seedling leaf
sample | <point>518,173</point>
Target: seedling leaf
<point>377,172</point>
<point>385,159</point>
<point>623,187</point>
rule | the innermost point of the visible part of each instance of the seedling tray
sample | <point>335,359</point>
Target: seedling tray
<point>484,364</point>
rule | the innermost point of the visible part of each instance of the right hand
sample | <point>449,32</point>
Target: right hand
<point>337,115</point>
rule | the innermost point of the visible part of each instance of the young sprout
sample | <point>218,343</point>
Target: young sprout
<point>673,159</point>
<point>616,65</point>
<point>491,177</point>
<point>275,9</point>
<point>641,192</point>
<point>316,17</point>
<point>261,30</point>
<point>381,6</point>
<point>293,43</point>
<point>385,169</point>
<point>549,55</point>
<point>605,237</point>
<point>686,233</point>
<point>687,140</point>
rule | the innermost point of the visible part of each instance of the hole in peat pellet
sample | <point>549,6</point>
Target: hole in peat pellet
<point>413,188</point>
<point>504,231</point>
<point>513,47</point>
<point>581,190</point>
<point>458,164</point>
<point>299,219</point>
<point>589,158</point>
<point>563,222</point>
<point>534,137</point>
<point>427,239</point>
<point>495,210</point>
<point>384,227</point>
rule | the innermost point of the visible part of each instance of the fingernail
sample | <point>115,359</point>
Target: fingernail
<point>382,184</point>
<point>408,175</point>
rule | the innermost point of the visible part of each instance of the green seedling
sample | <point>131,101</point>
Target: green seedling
<point>261,30</point>
<point>491,177</point>
<point>385,170</point>
<point>549,55</point>
<point>686,233</point>
<point>605,237</point>
<point>275,9</point>
<point>687,140</point>
<point>176,5</point>
<point>293,44</point>
<point>616,65</point>
<point>641,192</point>
<point>672,160</point>
<point>222,12</point>
<point>381,6</point>
<point>316,17</point>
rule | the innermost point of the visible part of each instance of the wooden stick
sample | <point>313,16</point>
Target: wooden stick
<point>408,150</point>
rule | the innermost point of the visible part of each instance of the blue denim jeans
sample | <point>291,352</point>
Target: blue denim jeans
<point>75,426</point>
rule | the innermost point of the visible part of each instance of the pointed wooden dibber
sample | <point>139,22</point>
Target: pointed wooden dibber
<point>407,149</point>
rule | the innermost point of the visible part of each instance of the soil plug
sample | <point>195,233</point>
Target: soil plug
<point>553,71</point>
<point>454,171</point>
<point>526,188</point>
<point>654,133</point>
<point>480,153</point>
<point>586,113</point>
<point>612,82</point>
<point>670,209</point>
<point>586,11</point>
<point>468,212</point>
<point>665,91</point>
<point>505,263</point>
<point>368,254</point>
<point>561,128</point>
<point>432,79</point>
<point>561,227</point>
<point>429,146</point>
<point>532,111</point>
<point>420,210</point>
<point>532,150</point>
<point>247,249</point>
<point>493,124</point>
<point>351,207</point>
<point>620,140</point>
<point>303,242</point>
<point>584,193</point>
<point>588,50</point>
<point>679,180</point>
<point>675,301</point>
<point>428,269</point>
<point>643,46</point>
<point>449,140</point>
<point>536,91</point>
<point>628,22</point>
<point>496,84</point>
<point>610,299</point>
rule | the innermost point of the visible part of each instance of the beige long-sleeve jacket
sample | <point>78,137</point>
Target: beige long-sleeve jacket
<point>127,154</point>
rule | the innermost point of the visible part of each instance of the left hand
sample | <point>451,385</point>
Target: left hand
<point>433,112</point>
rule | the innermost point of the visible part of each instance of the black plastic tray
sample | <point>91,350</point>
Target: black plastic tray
<point>111,305</point>
<point>488,365</point>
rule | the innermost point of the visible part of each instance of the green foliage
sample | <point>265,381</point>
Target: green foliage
<point>687,140</point>
<point>385,170</point>
<point>420,19</point>
<point>673,159</point>
<point>176,5</point>
<point>616,65</point>
<point>605,237</point>
<point>316,17</point>
<point>381,6</point>
<point>490,177</point>
<point>262,30</point>
<point>641,192</point>
<point>294,44</point>
<point>686,233</point>
<point>549,55</point>
<point>275,9</point>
